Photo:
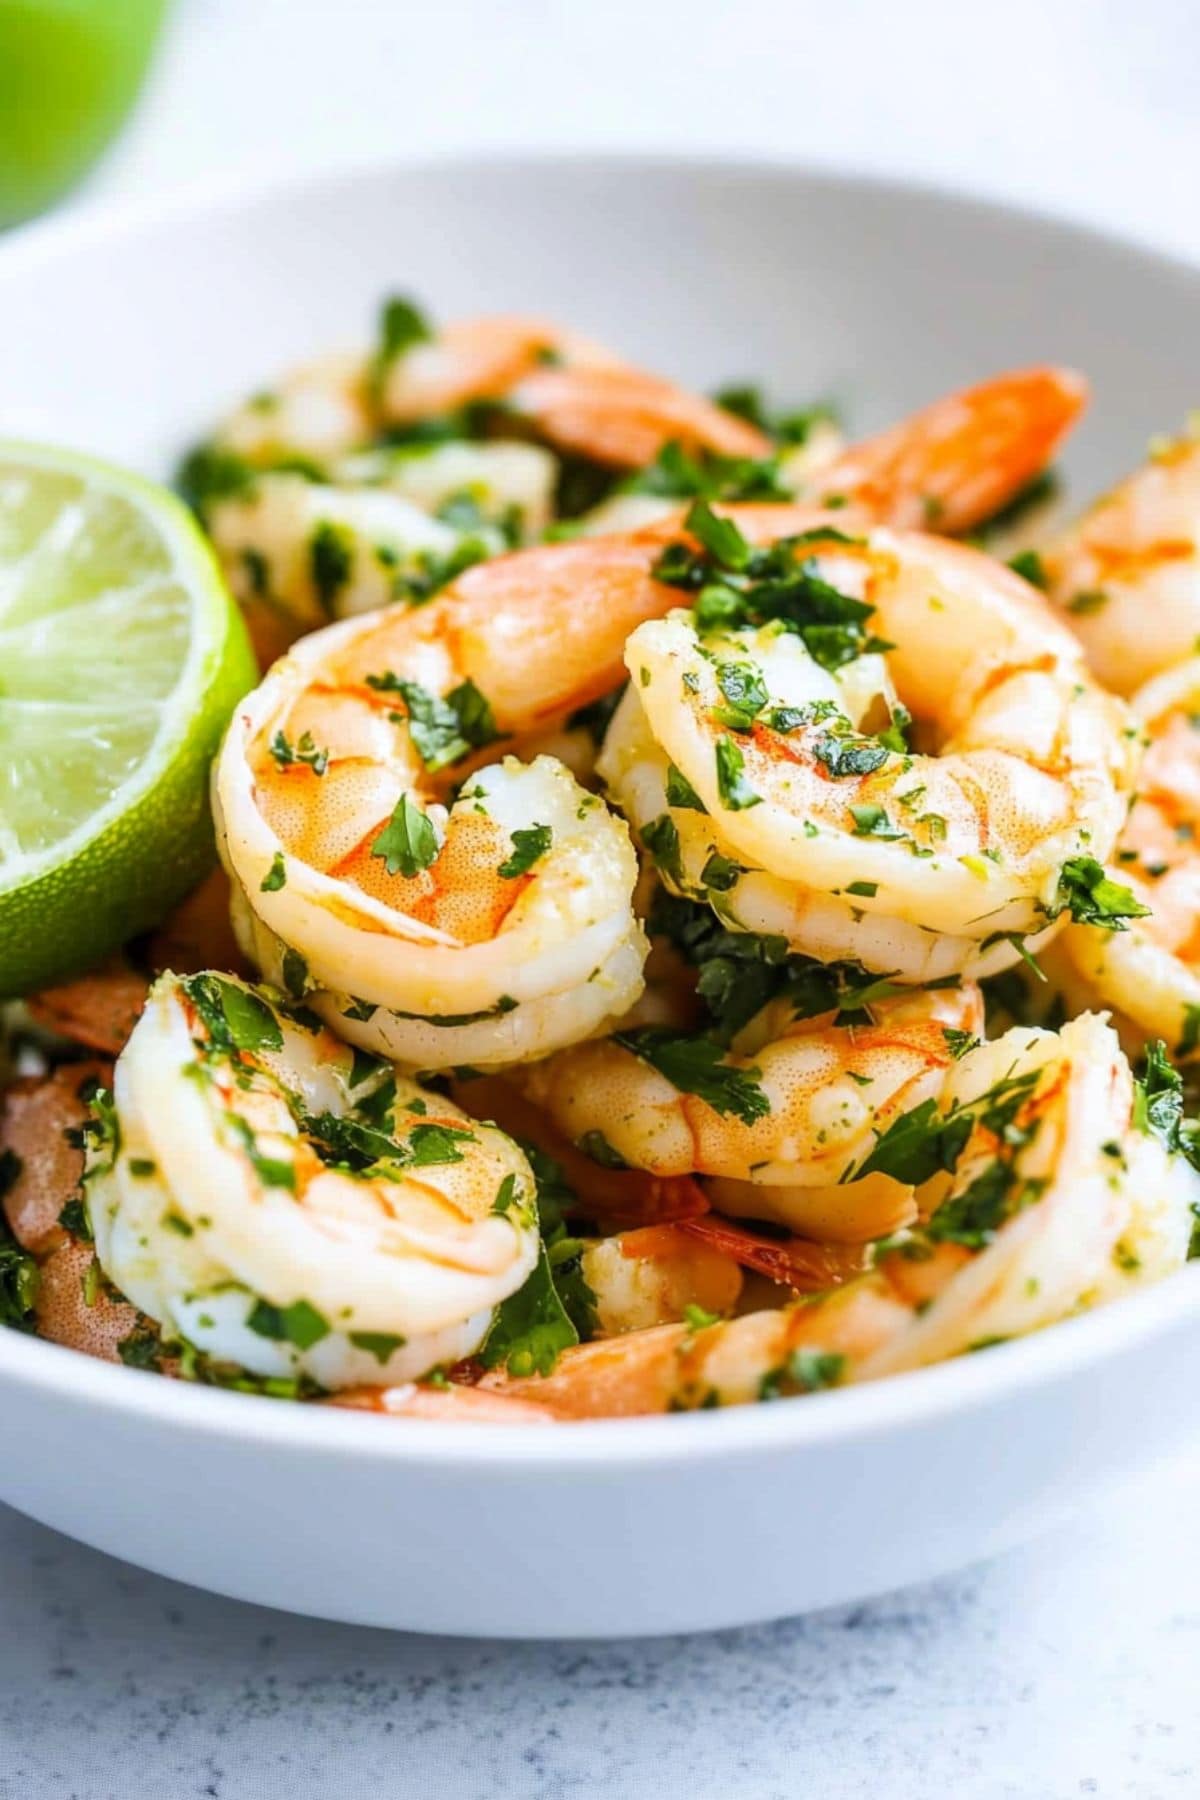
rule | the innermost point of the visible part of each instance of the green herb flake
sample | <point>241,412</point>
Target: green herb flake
<point>276,876</point>
<point>235,1017</point>
<point>299,1324</point>
<point>380,1344</point>
<point>735,791</point>
<point>530,844</point>
<point>1092,897</point>
<point>408,842</point>
<point>695,1065</point>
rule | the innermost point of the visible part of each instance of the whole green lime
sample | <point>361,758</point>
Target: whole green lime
<point>69,72</point>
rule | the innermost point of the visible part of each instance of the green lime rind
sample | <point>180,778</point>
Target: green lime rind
<point>148,843</point>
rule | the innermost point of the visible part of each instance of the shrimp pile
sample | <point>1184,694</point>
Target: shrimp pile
<point>695,926</point>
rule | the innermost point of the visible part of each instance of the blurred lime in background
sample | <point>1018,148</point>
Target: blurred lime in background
<point>69,72</point>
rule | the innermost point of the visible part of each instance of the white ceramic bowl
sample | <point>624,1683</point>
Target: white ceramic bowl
<point>127,337</point>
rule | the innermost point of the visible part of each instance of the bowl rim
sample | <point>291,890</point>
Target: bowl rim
<point>922,1396</point>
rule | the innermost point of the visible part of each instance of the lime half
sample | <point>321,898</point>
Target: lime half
<point>121,659</point>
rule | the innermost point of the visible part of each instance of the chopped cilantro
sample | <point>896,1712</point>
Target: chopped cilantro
<point>681,793</point>
<point>793,426</point>
<point>843,753</point>
<point>745,694</point>
<point>1093,898</point>
<point>735,791</point>
<point>443,731</point>
<point>380,1344</point>
<point>431,1144</point>
<point>1029,565</point>
<point>299,1324</point>
<point>401,325</point>
<point>305,752</point>
<point>276,875</point>
<point>235,1017</point>
<point>530,844</point>
<point>532,1328</point>
<point>408,842</point>
<point>696,1065</point>
<point>331,560</point>
<point>661,839</point>
<point>803,1372</point>
<point>734,584</point>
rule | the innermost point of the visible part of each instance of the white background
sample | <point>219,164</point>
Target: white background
<point>1070,1668</point>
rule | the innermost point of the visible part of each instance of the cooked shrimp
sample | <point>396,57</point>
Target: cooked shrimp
<point>652,1276</point>
<point>693,861</point>
<point>1057,1200</point>
<point>796,1109</point>
<point>1151,972</point>
<point>509,486</point>
<point>285,1205</point>
<point>319,410</point>
<point>952,465</point>
<point>568,391</point>
<point>1032,762</point>
<point>315,553</point>
<point>490,931</point>
<point>1128,572</point>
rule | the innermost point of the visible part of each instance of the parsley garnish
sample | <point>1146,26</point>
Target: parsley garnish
<point>745,695</point>
<point>408,842</point>
<point>681,793</point>
<point>661,838</point>
<point>735,584</point>
<point>443,731</point>
<point>331,559</point>
<point>305,751</point>
<point>299,1324</point>
<point>401,325</point>
<point>735,791</point>
<point>235,1017</point>
<point>276,875</point>
<point>804,1372</point>
<point>696,1065</point>
<point>1093,898</point>
<point>379,1344</point>
<point>529,845</point>
<point>677,474</point>
<point>793,426</point>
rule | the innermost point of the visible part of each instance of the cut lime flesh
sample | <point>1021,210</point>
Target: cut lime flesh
<point>121,659</point>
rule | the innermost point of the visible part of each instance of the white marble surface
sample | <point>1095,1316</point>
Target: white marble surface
<point>1068,1668</point>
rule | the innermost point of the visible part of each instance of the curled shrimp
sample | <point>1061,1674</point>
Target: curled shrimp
<point>283,1204</point>
<point>1029,763</point>
<point>950,466</point>
<point>1127,574</point>
<point>693,862</point>
<point>566,390</point>
<point>309,552</point>
<point>1150,972</point>
<point>781,1120</point>
<point>654,1275</point>
<point>1056,1201</point>
<point>485,931</point>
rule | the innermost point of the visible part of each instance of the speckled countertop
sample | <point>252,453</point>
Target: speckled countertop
<point>1068,1668</point>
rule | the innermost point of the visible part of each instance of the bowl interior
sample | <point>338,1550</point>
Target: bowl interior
<point>128,337</point>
